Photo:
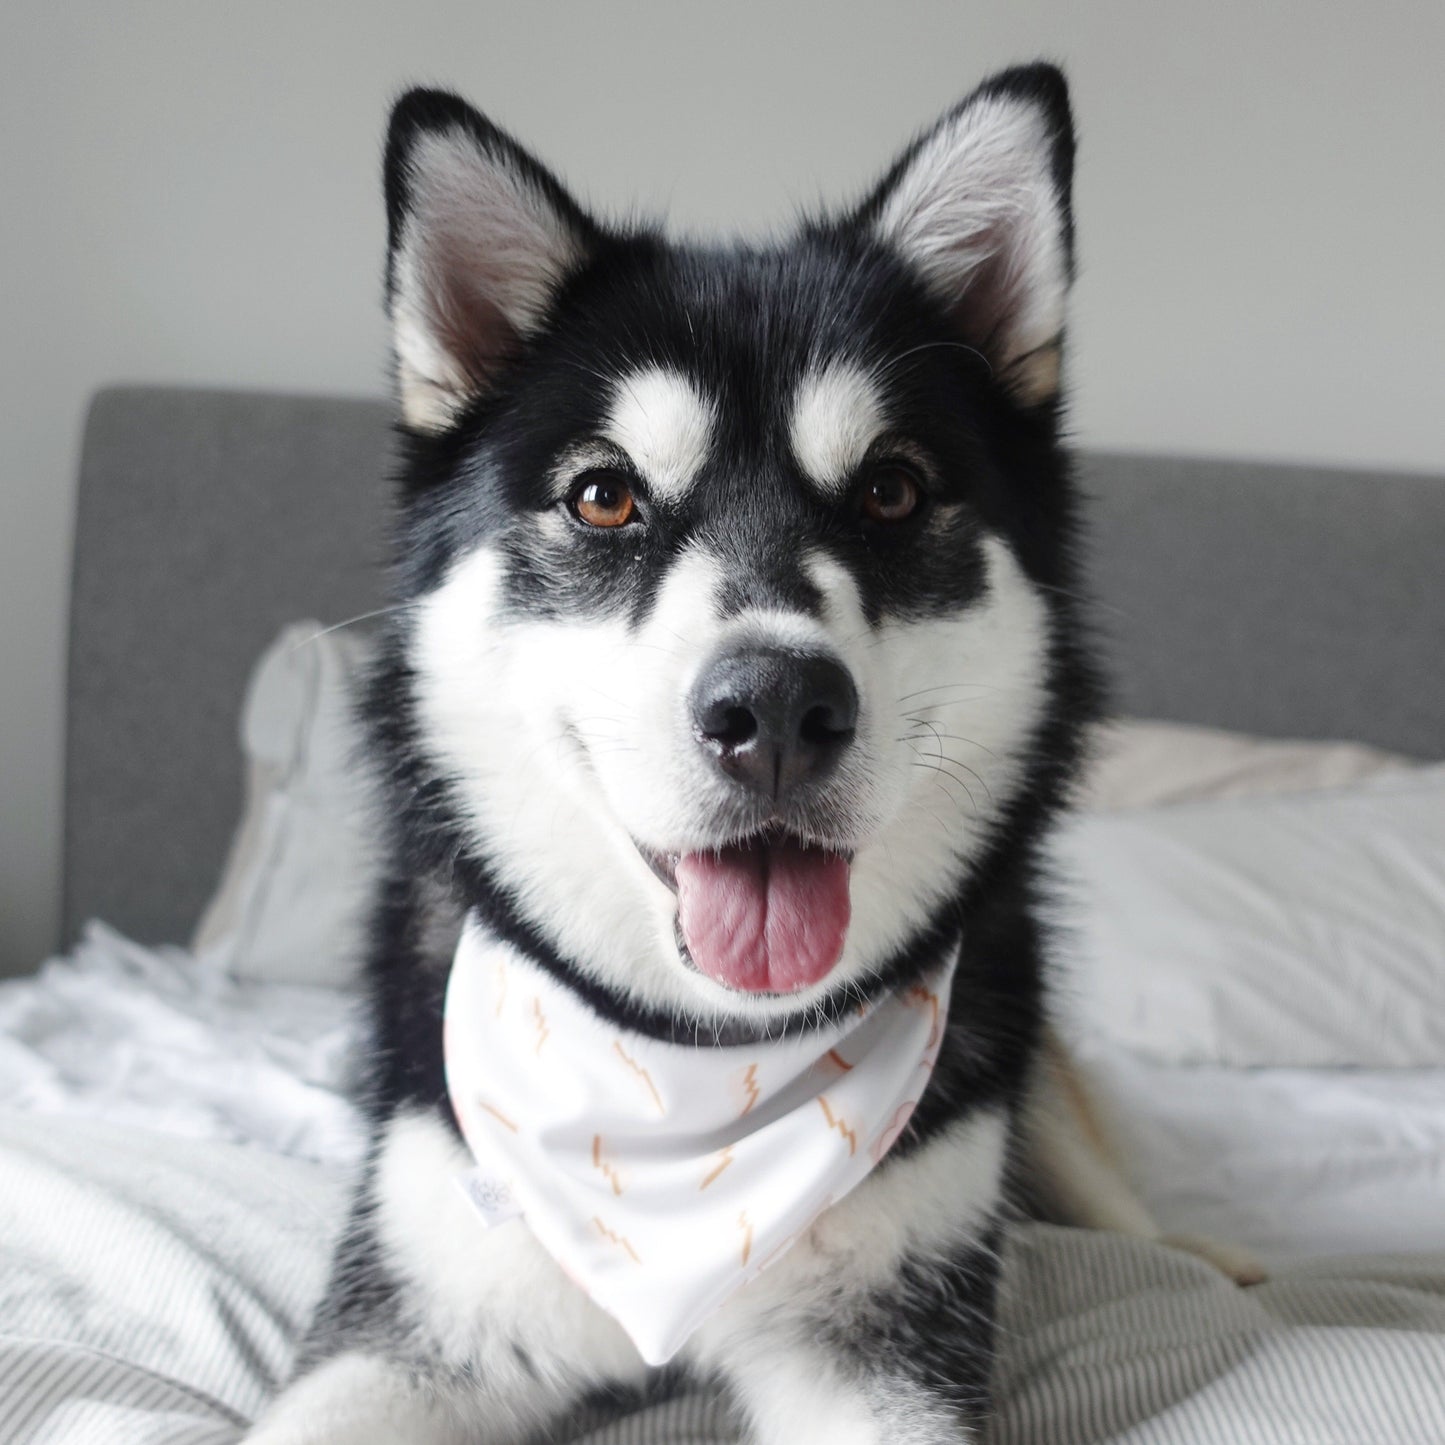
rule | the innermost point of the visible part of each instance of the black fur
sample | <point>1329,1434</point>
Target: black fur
<point>741,322</point>
<point>933,1325</point>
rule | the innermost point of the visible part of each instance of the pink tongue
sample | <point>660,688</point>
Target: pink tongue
<point>766,917</point>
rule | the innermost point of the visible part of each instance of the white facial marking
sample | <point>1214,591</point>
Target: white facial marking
<point>661,420</point>
<point>568,742</point>
<point>842,603</point>
<point>837,415</point>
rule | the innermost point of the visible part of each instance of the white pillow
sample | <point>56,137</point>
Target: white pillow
<point>292,900</point>
<point>1297,930</point>
<point>1136,764</point>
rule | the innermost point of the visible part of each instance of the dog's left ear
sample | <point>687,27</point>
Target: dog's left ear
<point>980,206</point>
<point>480,238</point>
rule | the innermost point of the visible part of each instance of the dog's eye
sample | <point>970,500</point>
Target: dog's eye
<point>603,499</point>
<point>890,494</point>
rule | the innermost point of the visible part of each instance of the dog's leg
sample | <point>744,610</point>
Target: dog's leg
<point>902,1364</point>
<point>1072,1162</point>
<point>799,1396</point>
<point>436,1329</point>
<point>361,1399</point>
<point>876,1327</point>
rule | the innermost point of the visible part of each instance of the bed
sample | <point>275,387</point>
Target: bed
<point>175,1137</point>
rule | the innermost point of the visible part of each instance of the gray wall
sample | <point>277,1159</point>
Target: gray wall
<point>190,194</point>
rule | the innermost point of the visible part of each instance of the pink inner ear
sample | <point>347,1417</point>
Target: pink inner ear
<point>980,211</point>
<point>998,309</point>
<point>484,247</point>
<point>990,297</point>
<point>467,287</point>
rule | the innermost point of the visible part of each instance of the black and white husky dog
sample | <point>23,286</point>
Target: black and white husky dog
<point>736,586</point>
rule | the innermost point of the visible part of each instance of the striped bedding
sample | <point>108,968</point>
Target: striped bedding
<point>151,1289</point>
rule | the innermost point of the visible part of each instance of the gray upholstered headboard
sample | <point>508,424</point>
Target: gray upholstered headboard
<point>1280,600</point>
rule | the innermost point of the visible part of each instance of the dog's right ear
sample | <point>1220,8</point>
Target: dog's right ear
<point>479,238</point>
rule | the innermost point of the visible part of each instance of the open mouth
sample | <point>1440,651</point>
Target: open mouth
<point>766,915</point>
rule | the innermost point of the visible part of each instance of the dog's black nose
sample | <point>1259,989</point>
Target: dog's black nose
<point>771,718</point>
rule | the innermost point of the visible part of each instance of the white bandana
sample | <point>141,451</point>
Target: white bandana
<point>661,1177</point>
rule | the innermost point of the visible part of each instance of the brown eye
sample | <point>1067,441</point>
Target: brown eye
<point>891,494</point>
<point>603,499</point>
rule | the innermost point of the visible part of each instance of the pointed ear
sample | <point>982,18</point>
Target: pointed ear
<point>980,206</point>
<point>480,236</point>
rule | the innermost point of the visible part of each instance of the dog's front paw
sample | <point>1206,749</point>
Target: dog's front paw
<point>1231,1259</point>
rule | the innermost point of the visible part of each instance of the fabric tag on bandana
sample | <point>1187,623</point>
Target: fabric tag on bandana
<point>490,1195</point>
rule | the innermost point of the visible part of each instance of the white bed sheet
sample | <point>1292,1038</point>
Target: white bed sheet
<point>1293,1163</point>
<point>151,1289</point>
<point>164,1039</point>
<point>174,1150</point>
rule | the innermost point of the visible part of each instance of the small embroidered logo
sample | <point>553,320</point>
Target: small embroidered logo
<point>492,1195</point>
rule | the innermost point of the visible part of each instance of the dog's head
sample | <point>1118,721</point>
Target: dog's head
<point>735,574</point>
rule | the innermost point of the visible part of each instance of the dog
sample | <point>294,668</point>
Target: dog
<point>736,677</point>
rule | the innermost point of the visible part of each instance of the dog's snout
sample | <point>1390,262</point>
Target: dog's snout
<point>771,718</point>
